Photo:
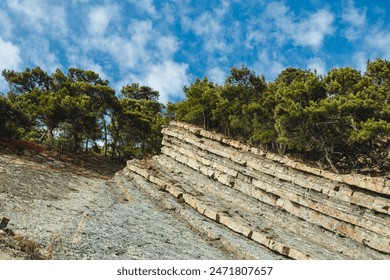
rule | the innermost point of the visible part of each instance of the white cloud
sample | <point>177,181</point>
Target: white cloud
<point>168,78</point>
<point>31,9</point>
<point>5,24</point>
<point>210,29</point>
<point>216,75</point>
<point>354,16</point>
<point>9,55</point>
<point>9,59</point>
<point>307,31</point>
<point>128,50</point>
<point>360,61</point>
<point>269,64</point>
<point>169,13</point>
<point>100,18</point>
<point>40,15</point>
<point>141,31</point>
<point>145,6</point>
<point>378,43</point>
<point>77,2</point>
<point>312,31</point>
<point>3,85</point>
<point>143,54</point>
<point>206,24</point>
<point>209,26</point>
<point>317,64</point>
<point>123,51</point>
<point>37,51</point>
<point>356,20</point>
<point>167,45</point>
<point>253,37</point>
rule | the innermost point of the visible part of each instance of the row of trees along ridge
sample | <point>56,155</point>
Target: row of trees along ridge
<point>339,121</point>
<point>69,112</point>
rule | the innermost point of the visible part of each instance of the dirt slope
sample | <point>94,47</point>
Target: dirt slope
<point>62,210</point>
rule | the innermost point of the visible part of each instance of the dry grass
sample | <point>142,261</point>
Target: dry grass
<point>30,248</point>
<point>22,247</point>
<point>21,145</point>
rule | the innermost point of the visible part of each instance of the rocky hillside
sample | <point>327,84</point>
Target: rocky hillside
<point>60,210</point>
<point>204,197</point>
<point>292,209</point>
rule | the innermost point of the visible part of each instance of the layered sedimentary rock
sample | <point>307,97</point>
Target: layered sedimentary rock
<point>293,210</point>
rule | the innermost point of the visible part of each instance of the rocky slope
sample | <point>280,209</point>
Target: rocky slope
<point>204,197</point>
<point>57,212</point>
<point>294,210</point>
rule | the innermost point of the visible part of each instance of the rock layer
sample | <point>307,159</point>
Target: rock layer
<point>81,216</point>
<point>292,209</point>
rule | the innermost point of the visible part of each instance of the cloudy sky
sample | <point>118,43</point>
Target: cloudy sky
<point>167,44</point>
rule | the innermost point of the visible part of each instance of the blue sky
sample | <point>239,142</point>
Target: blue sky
<point>168,44</point>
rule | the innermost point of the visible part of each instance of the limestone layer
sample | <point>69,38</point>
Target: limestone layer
<point>294,210</point>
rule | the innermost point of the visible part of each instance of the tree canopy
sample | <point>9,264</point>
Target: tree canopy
<point>340,120</point>
<point>76,110</point>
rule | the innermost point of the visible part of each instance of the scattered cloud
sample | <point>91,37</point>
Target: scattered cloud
<point>307,31</point>
<point>169,13</point>
<point>269,64</point>
<point>354,16</point>
<point>168,78</point>
<point>38,51</point>
<point>317,64</point>
<point>99,19</point>
<point>146,6</point>
<point>313,31</point>
<point>32,10</point>
<point>128,50</point>
<point>253,37</point>
<point>9,55</point>
<point>210,28</point>
<point>217,75</point>
<point>355,19</point>
<point>360,60</point>
<point>166,45</point>
<point>5,24</point>
<point>378,42</point>
<point>39,16</point>
<point>9,59</point>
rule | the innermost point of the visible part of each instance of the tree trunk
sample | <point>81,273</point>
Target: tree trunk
<point>204,121</point>
<point>114,138</point>
<point>76,142</point>
<point>281,148</point>
<point>49,134</point>
<point>105,136</point>
<point>50,139</point>
<point>330,161</point>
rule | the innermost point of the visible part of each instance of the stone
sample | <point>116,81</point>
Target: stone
<point>4,223</point>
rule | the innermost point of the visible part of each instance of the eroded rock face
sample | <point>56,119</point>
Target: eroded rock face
<point>80,216</point>
<point>294,210</point>
<point>205,197</point>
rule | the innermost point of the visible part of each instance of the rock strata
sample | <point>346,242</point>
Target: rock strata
<point>204,197</point>
<point>64,215</point>
<point>287,207</point>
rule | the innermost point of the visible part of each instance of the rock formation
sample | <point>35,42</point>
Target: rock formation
<point>294,210</point>
<point>204,197</point>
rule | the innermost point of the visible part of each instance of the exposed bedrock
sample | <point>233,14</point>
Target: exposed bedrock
<point>293,210</point>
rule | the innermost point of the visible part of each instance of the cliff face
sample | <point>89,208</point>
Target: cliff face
<point>293,210</point>
<point>204,197</point>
